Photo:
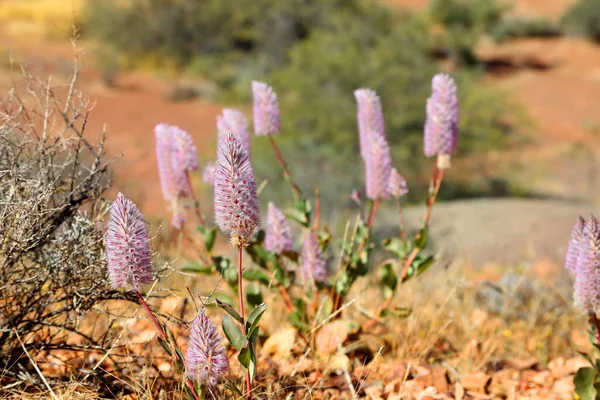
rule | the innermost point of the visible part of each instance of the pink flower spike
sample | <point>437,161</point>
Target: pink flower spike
<point>397,184</point>
<point>206,359</point>
<point>313,263</point>
<point>208,174</point>
<point>265,109</point>
<point>278,236</point>
<point>163,159</point>
<point>183,159</point>
<point>128,255</point>
<point>235,199</point>
<point>575,245</point>
<point>369,117</point>
<point>587,269</point>
<point>378,167</point>
<point>441,127</point>
<point>234,121</point>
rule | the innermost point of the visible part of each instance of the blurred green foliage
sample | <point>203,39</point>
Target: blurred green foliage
<point>583,18</point>
<point>315,53</point>
<point>517,27</point>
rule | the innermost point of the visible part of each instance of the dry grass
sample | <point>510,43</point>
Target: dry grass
<point>40,18</point>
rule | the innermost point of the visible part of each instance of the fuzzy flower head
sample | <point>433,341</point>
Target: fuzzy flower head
<point>313,263</point>
<point>265,109</point>
<point>234,121</point>
<point>587,269</point>
<point>208,173</point>
<point>235,199</point>
<point>378,168</point>
<point>397,184</point>
<point>206,359</point>
<point>163,159</point>
<point>278,236</point>
<point>176,157</point>
<point>369,117</point>
<point>575,246</point>
<point>441,126</point>
<point>128,255</point>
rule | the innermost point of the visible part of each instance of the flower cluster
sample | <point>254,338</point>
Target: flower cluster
<point>278,237</point>
<point>235,199</point>
<point>128,255</point>
<point>397,184</point>
<point>206,358</point>
<point>583,260</point>
<point>313,262</point>
<point>265,109</point>
<point>441,126</point>
<point>235,122</point>
<point>176,158</point>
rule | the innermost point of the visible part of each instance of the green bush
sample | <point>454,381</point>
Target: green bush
<point>583,18</point>
<point>523,27</point>
<point>464,22</point>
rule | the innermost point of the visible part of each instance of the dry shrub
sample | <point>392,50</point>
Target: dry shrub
<point>52,268</point>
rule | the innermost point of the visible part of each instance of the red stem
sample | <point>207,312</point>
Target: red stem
<point>241,301</point>
<point>597,327</point>
<point>192,389</point>
<point>438,175</point>
<point>317,211</point>
<point>161,331</point>
<point>194,198</point>
<point>286,171</point>
<point>402,230</point>
<point>373,212</point>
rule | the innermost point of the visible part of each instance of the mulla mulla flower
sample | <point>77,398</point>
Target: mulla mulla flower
<point>587,268</point>
<point>575,246</point>
<point>206,358</point>
<point>184,159</point>
<point>278,236</point>
<point>235,199</point>
<point>312,267</point>
<point>208,173</point>
<point>369,117</point>
<point>441,126</point>
<point>397,184</point>
<point>129,259</point>
<point>265,109</point>
<point>235,122</point>
<point>163,159</point>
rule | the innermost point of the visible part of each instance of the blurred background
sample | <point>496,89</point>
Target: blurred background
<point>528,73</point>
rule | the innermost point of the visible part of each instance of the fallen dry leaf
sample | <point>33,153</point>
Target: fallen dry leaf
<point>477,381</point>
<point>279,345</point>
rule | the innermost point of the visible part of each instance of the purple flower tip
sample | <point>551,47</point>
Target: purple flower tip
<point>234,121</point>
<point>235,199</point>
<point>206,359</point>
<point>176,157</point>
<point>587,268</point>
<point>278,236</point>
<point>369,117</point>
<point>313,264</point>
<point>441,126</point>
<point>265,109</point>
<point>397,184</point>
<point>128,255</point>
<point>208,174</point>
<point>574,246</point>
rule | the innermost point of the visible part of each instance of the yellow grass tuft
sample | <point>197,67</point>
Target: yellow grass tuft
<point>40,18</point>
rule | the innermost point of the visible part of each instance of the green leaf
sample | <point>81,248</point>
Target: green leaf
<point>389,280</point>
<point>254,318</point>
<point>196,267</point>
<point>584,383</point>
<point>424,264</point>
<point>244,357</point>
<point>257,275</point>
<point>398,312</point>
<point>234,334</point>
<point>253,294</point>
<point>229,310</point>
<point>297,216</point>
<point>421,239</point>
<point>231,386</point>
<point>210,235</point>
<point>397,246</point>
<point>252,363</point>
<point>165,346</point>
<point>224,298</point>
